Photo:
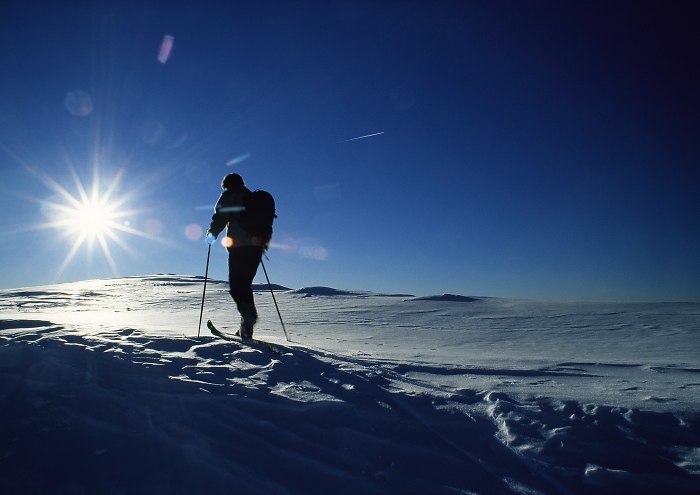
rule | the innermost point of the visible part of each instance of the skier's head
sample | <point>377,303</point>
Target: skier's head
<point>232,180</point>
